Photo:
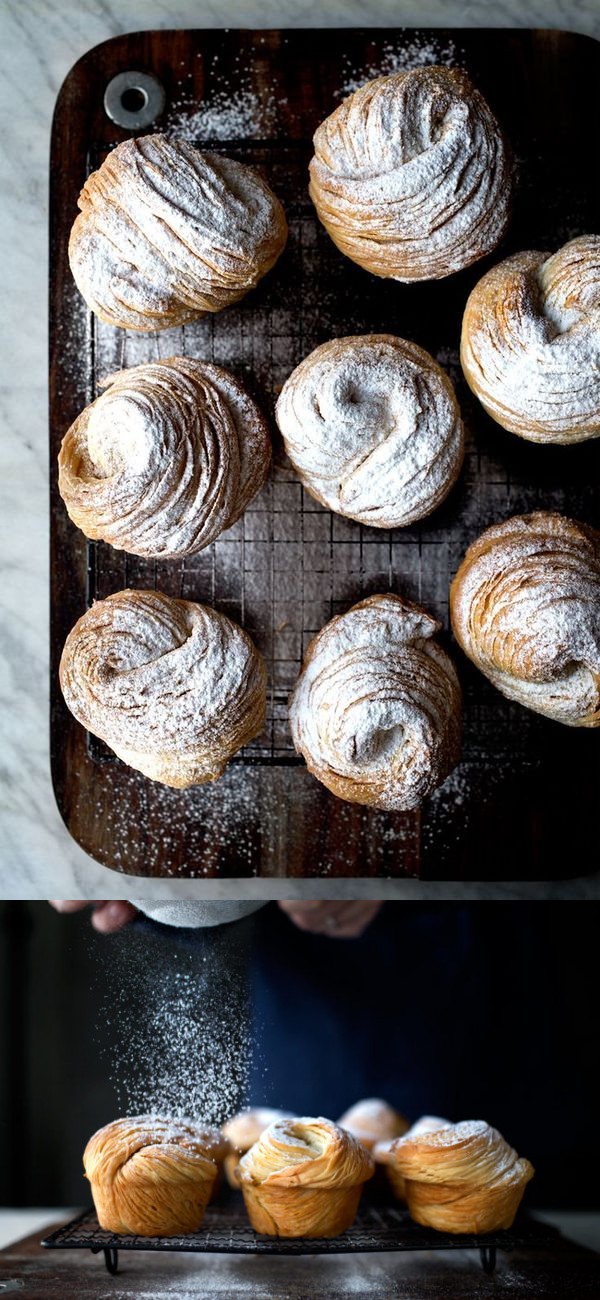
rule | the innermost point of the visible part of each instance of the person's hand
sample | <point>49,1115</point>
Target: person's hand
<point>107,916</point>
<point>337,919</point>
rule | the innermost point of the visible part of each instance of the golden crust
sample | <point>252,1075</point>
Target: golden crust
<point>303,1178</point>
<point>412,176</point>
<point>151,1176</point>
<point>530,344</point>
<point>383,1152</point>
<point>167,233</point>
<point>165,459</point>
<point>243,1130</point>
<point>525,607</point>
<point>464,1178</point>
<point>376,710</point>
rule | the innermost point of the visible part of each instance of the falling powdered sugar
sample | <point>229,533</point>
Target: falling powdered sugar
<point>180,1040</point>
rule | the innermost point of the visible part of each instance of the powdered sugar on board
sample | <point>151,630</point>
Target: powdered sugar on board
<point>402,1275</point>
<point>240,116</point>
<point>415,51</point>
<point>229,819</point>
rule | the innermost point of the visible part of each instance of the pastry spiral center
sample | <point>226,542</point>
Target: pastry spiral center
<point>372,425</point>
<point>119,435</point>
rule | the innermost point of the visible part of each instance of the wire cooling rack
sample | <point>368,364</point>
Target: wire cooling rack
<point>288,565</point>
<point>226,1230</point>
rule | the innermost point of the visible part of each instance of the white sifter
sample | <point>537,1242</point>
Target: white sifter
<point>195,915</point>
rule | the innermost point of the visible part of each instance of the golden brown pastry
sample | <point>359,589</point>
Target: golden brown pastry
<point>373,428</point>
<point>412,176</point>
<point>530,345</point>
<point>174,688</point>
<point>464,1178</point>
<point>373,1120</point>
<point>243,1130</point>
<point>525,607</point>
<point>167,233</point>
<point>151,1176</point>
<point>165,459</point>
<point>376,710</point>
<point>383,1152</point>
<point>304,1178</point>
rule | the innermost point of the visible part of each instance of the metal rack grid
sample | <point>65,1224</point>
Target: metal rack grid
<point>226,1230</point>
<point>288,565</point>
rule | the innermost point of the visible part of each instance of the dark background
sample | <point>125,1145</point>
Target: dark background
<point>484,1010</point>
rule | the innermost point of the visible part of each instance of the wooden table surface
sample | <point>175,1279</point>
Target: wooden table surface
<point>563,1272</point>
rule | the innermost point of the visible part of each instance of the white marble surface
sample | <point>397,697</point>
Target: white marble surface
<point>39,42</point>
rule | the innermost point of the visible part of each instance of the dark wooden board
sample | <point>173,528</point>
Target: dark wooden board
<point>520,804</point>
<point>563,1270</point>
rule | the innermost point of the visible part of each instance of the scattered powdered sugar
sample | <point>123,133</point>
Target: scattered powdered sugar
<point>239,115</point>
<point>180,1043</point>
<point>236,825</point>
<point>352,1277</point>
<point>416,51</point>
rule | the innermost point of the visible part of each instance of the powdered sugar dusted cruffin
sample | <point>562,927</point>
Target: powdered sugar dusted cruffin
<point>525,607</point>
<point>412,176</point>
<point>167,233</point>
<point>376,709</point>
<point>174,688</point>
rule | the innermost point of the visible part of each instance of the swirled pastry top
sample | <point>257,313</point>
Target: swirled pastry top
<point>462,1178</point>
<point>165,459</point>
<point>470,1152</point>
<point>167,233</point>
<point>525,607</point>
<point>383,1151</point>
<point>150,1176</point>
<point>411,176</point>
<point>244,1129</point>
<point>306,1153</point>
<point>372,426</point>
<point>373,1120</point>
<point>530,345</point>
<point>173,687</point>
<point>376,708</point>
<point>152,1137</point>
